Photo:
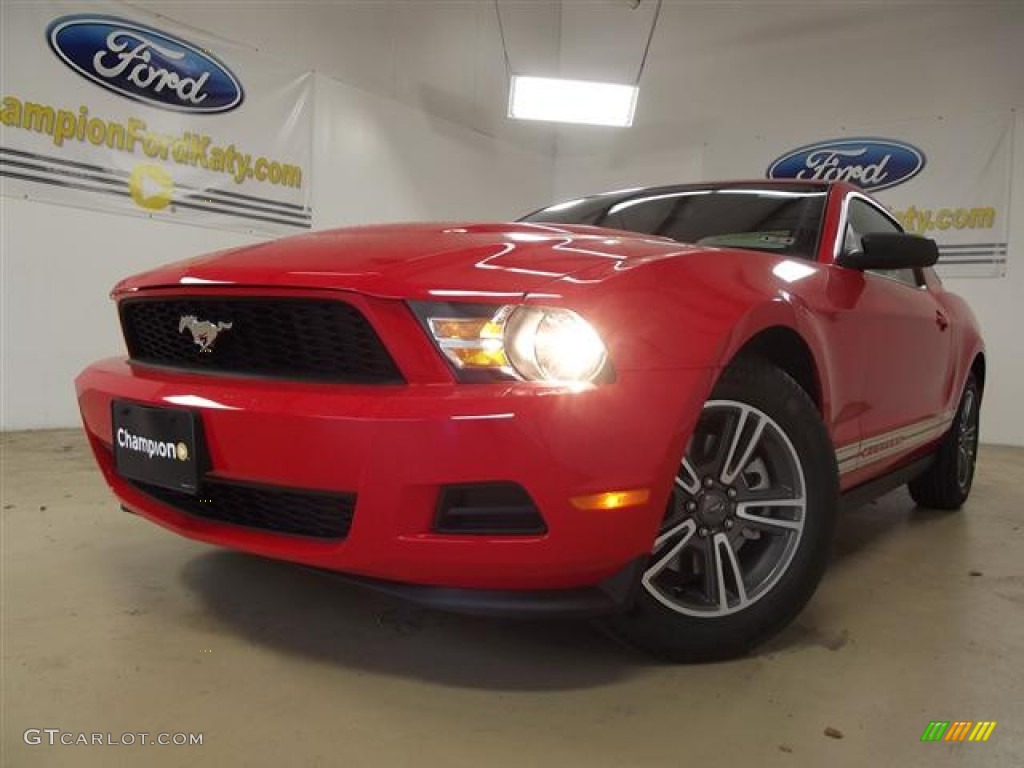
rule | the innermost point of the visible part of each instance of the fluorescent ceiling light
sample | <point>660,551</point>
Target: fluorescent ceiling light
<point>571,101</point>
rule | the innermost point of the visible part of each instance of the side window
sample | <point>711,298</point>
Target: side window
<point>863,219</point>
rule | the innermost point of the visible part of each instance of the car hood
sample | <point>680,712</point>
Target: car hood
<point>416,260</point>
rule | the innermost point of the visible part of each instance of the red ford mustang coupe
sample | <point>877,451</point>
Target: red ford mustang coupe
<point>645,405</point>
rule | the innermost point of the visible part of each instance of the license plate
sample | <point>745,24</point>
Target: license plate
<point>159,446</point>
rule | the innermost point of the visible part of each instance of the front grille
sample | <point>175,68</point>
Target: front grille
<point>275,337</point>
<point>300,513</point>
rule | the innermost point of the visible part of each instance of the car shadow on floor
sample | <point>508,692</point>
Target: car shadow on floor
<point>313,615</point>
<point>862,527</point>
<point>859,531</point>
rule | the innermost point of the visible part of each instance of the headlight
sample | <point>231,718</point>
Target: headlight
<point>547,344</point>
<point>553,345</point>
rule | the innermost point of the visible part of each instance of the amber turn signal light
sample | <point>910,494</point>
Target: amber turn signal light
<point>612,499</point>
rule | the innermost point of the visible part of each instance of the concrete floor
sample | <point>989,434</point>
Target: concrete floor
<point>112,624</point>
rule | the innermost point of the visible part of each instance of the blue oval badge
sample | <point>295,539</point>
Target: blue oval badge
<point>871,164</point>
<point>144,64</point>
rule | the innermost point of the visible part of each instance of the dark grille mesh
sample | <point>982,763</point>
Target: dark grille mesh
<point>322,516</point>
<point>287,338</point>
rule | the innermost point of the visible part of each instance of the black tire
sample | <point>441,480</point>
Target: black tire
<point>667,618</point>
<point>947,482</point>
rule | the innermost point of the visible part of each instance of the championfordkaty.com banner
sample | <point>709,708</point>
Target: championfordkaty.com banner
<point>107,106</point>
<point>946,178</point>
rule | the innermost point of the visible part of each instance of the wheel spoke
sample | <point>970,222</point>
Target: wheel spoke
<point>713,576</point>
<point>965,416</point>
<point>770,497</point>
<point>730,561</point>
<point>684,531</point>
<point>741,445</point>
<point>687,478</point>
<point>771,524</point>
<point>723,440</point>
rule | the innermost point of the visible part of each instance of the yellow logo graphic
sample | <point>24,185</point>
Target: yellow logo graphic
<point>151,186</point>
<point>182,450</point>
<point>958,730</point>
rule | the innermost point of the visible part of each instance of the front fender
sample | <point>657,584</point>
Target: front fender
<point>693,311</point>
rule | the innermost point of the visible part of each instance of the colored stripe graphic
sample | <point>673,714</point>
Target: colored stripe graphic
<point>958,730</point>
<point>935,731</point>
<point>982,731</point>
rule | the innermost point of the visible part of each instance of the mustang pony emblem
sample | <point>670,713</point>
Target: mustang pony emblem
<point>203,331</point>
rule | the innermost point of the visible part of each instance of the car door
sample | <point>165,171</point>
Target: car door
<point>899,334</point>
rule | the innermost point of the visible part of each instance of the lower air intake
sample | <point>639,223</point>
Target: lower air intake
<point>318,515</point>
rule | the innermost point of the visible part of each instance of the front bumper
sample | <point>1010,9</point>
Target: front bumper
<point>396,446</point>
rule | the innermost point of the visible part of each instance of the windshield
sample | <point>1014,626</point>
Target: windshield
<point>781,221</point>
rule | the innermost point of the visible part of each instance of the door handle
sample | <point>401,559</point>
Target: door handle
<point>941,320</point>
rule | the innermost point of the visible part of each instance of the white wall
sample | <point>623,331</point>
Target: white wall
<point>721,74</point>
<point>997,304</point>
<point>376,158</point>
<point>379,160</point>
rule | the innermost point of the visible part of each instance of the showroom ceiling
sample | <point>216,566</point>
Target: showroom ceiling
<point>442,56</point>
<point>445,56</point>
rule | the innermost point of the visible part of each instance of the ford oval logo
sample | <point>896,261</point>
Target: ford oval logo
<point>871,164</point>
<point>143,64</point>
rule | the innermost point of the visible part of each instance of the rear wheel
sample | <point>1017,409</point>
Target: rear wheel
<point>947,483</point>
<point>746,535</point>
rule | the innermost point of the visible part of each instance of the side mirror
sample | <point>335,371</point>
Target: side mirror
<point>892,250</point>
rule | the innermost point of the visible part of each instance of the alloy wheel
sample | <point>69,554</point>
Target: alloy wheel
<point>735,516</point>
<point>967,441</point>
